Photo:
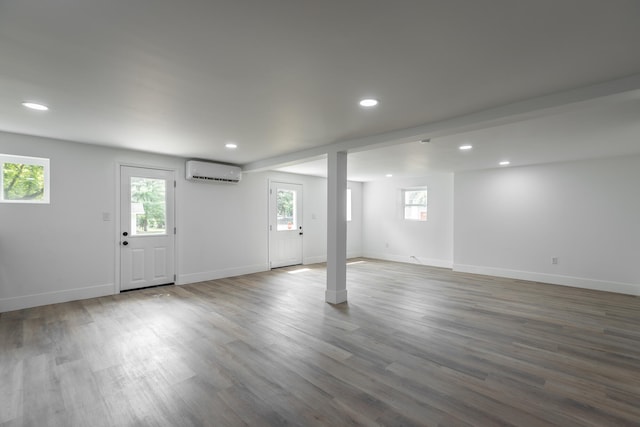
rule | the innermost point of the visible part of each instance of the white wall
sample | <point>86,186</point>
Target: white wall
<point>511,222</point>
<point>314,212</point>
<point>354,227</point>
<point>508,222</point>
<point>223,228</point>
<point>386,235</point>
<point>65,250</point>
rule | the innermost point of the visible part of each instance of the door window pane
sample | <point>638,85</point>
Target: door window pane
<point>148,206</point>
<point>286,209</point>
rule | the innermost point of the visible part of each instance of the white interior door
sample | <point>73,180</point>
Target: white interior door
<point>147,235</point>
<point>285,224</point>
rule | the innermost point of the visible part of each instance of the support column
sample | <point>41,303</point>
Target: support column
<point>336,292</point>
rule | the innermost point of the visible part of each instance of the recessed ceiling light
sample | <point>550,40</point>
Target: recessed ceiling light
<point>505,163</point>
<point>35,106</point>
<point>368,102</point>
<point>231,145</point>
<point>465,147</point>
<point>389,175</point>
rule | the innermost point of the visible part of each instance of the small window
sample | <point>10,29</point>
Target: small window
<point>148,206</point>
<point>415,204</point>
<point>24,179</point>
<point>286,204</point>
<point>348,204</point>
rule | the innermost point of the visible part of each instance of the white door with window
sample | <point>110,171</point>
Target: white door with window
<point>285,224</point>
<point>147,234</point>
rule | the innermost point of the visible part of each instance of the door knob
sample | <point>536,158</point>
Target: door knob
<point>125,243</point>
<point>125,234</point>
<point>301,233</point>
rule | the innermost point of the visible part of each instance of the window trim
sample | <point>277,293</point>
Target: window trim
<point>26,160</point>
<point>405,205</point>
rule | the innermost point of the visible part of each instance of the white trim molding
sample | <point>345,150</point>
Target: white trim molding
<point>46,298</point>
<point>185,279</point>
<point>554,279</point>
<point>410,259</point>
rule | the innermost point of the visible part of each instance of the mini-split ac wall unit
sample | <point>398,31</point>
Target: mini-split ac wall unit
<point>212,172</point>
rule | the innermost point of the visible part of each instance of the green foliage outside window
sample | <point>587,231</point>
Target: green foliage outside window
<point>151,194</point>
<point>285,203</point>
<point>286,210</point>
<point>23,181</point>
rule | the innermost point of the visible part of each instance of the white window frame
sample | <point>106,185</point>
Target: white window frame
<point>405,205</point>
<point>36,161</point>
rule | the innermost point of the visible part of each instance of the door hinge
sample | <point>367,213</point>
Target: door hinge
<point>174,230</point>
<point>271,228</point>
<point>270,191</point>
<point>174,184</point>
<point>174,277</point>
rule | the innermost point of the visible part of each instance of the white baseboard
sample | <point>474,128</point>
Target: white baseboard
<point>408,259</point>
<point>46,298</point>
<point>314,259</point>
<point>323,258</point>
<point>554,279</point>
<point>184,279</point>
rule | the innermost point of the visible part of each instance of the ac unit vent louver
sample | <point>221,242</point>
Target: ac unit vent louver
<point>212,172</point>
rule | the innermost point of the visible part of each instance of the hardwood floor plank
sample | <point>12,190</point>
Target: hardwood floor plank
<point>415,346</point>
<point>11,389</point>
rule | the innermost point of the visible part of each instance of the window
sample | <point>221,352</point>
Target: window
<point>148,206</point>
<point>415,204</point>
<point>286,204</point>
<point>348,204</point>
<point>24,179</point>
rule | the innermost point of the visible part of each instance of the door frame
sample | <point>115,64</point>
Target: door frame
<point>270,181</point>
<point>118,223</point>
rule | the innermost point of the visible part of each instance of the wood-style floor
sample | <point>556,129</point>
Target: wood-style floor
<point>414,346</point>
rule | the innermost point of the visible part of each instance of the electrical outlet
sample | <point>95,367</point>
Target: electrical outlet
<point>554,260</point>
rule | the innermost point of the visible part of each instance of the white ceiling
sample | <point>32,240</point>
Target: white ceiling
<point>279,77</point>
<point>601,128</point>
